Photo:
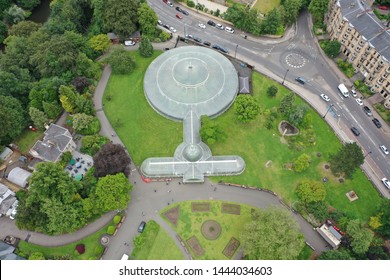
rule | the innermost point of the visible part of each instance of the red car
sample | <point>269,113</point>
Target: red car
<point>383,7</point>
<point>179,16</point>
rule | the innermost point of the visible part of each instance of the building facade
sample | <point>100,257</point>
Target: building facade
<point>365,41</point>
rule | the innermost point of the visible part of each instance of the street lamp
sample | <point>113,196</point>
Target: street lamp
<point>367,154</point>
<point>331,106</point>
<point>235,52</point>
<point>284,78</point>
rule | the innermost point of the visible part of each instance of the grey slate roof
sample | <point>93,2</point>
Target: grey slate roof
<point>7,252</point>
<point>367,24</point>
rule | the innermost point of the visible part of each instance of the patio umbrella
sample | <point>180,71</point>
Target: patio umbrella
<point>72,161</point>
<point>78,177</point>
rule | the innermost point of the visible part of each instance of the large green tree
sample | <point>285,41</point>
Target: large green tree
<point>318,8</point>
<point>210,131</point>
<point>110,160</point>
<point>121,61</point>
<point>24,28</point>
<point>272,22</point>
<point>347,160</point>
<point>145,48</point>
<point>38,117</point>
<point>12,119</point>
<point>273,234</point>
<point>52,204</point>
<point>246,107</point>
<point>384,213</point>
<point>311,191</point>
<point>121,17</point>
<point>361,236</point>
<point>336,255</point>
<point>112,192</point>
<point>147,20</point>
<point>291,10</point>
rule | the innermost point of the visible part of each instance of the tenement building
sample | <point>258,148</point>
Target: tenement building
<point>365,41</point>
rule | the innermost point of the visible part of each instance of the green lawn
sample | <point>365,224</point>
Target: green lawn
<point>93,248</point>
<point>147,134</point>
<point>156,245</point>
<point>27,139</point>
<point>264,6</point>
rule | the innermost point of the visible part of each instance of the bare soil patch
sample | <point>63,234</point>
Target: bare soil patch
<point>231,248</point>
<point>200,207</point>
<point>195,246</point>
<point>231,208</point>
<point>172,215</point>
<point>211,229</point>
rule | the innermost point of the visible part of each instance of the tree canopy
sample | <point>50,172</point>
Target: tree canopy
<point>121,61</point>
<point>361,236</point>
<point>311,191</point>
<point>246,107</point>
<point>13,119</point>
<point>272,234</point>
<point>110,160</point>
<point>347,160</point>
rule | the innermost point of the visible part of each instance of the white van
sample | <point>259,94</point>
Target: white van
<point>125,257</point>
<point>343,89</point>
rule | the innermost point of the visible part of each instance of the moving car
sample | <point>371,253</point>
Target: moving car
<point>201,25</point>
<point>355,131</point>
<point>343,89</point>
<point>377,122</point>
<point>384,149</point>
<point>229,29</point>
<point>179,16</point>
<point>141,227</point>
<point>300,80</point>
<point>367,111</point>
<point>325,97</point>
<point>129,43</point>
<point>219,26</point>
<point>359,101</point>
<point>386,182</point>
<point>212,23</point>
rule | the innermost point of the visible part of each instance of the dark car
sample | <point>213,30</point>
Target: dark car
<point>300,80</point>
<point>207,43</point>
<point>377,122</point>
<point>179,9</point>
<point>184,12</point>
<point>355,131</point>
<point>221,49</point>
<point>367,111</point>
<point>197,39</point>
<point>141,227</point>
<point>212,23</point>
<point>166,26</point>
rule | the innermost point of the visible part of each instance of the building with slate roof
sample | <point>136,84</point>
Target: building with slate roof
<point>7,252</point>
<point>365,41</point>
<point>56,141</point>
<point>8,200</point>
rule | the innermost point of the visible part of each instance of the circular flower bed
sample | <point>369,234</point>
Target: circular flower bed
<point>211,229</point>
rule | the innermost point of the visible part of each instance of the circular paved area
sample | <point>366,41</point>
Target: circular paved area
<point>191,78</point>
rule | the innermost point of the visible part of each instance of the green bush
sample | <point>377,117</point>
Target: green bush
<point>117,219</point>
<point>190,4</point>
<point>331,48</point>
<point>98,250</point>
<point>301,163</point>
<point>91,144</point>
<point>111,230</point>
<point>362,87</point>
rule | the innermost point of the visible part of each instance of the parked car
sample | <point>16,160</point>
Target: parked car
<point>353,92</point>
<point>384,149</point>
<point>221,49</point>
<point>386,182</point>
<point>166,26</point>
<point>159,22</point>
<point>129,43</point>
<point>325,97</point>
<point>219,26</point>
<point>300,80</point>
<point>229,29</point>
<point>184,12</point>
<point>172,29</point>
<point>367,111</point>
<point>355,131</point>
<point>212,23</point>
<point>206,43</point>
<point>197,39</point>
<point>141,227</point>
<point>179,9</point>
<point>201,25</point>
<point>377,122</point>
<point>189,36</point>
<point>179,16</point>
<point>383,8</point>
<point>359,101</point>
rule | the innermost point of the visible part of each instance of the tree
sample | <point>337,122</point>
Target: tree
<point>14,15</point>
<point>120,17</point>
<point>301,163</point>
<point>68,98</point>
<point>121,61</point>
<point>110,160</point>
<point>331,48</point>
<point>336,255</point>
<point>361,237</point>
<point>86,124</point>
<point>297,114</point>
<point>272,91</point>
<point>80,83</point>
<point>210,132</point>
<point>37,256</point>
<point>272,234</point>
<point>18,89</point>
<point>112,192</point>
<point>24,28</point>
<point>246,108</point>
<point>291,10</point>
<point>287,104</point>
<point>51,109</point>
<point>39,118</point>
<point>147,20</point>
<point>46,90</point>
<point>318,8</point>
<point>318,209</point>
<point>3,31</point>
<point>272,22</point>
<point>347,160</point>
<point>145,48</point>
<point>91,144</point>
<point>311,191</point>
<point>100,43</point>
<point>12,117</point>
<point>52,204</point>
<point>384,211</point>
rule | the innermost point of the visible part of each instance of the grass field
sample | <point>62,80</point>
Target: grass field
<point>147,134</point>
<point>156,245</point>
<point>27,139</point>
<point>264,6</point>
